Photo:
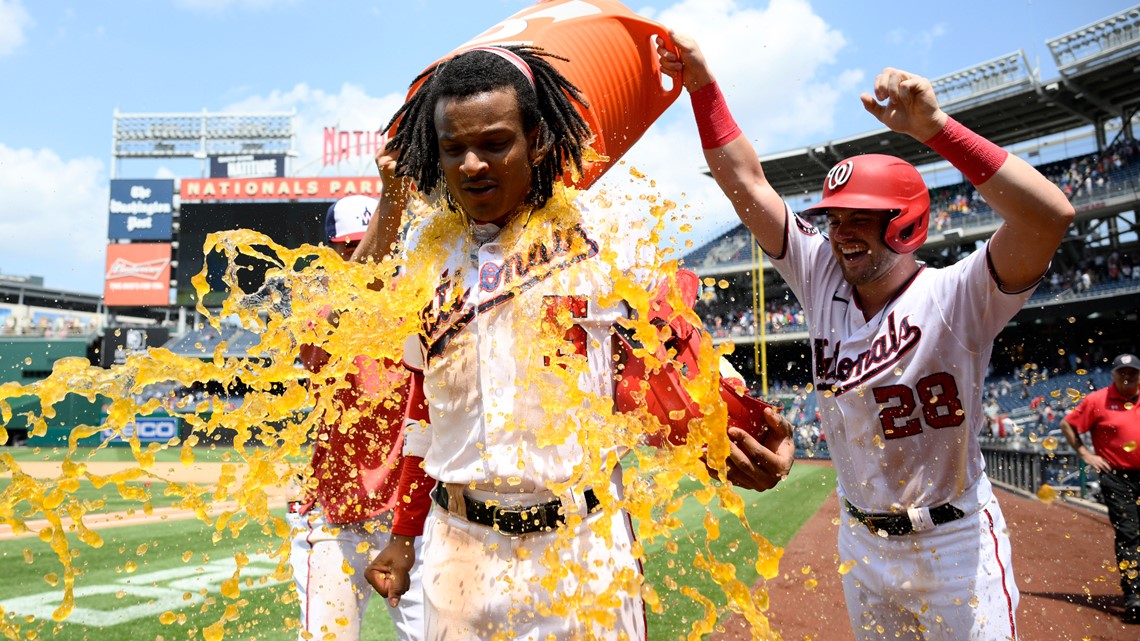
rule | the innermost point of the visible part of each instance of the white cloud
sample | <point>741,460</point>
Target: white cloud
<point>927,37</point>
<point>777,68</point>
<point>352,109</point>
<point>776,65</point>
<point>53,221</point>
<point>14,20</point>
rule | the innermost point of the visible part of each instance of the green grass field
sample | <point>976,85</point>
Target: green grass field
<point>174,571</point>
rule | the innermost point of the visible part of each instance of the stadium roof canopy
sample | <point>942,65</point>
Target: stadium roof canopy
<point>1002,99</point>
<point>202,341</point>
<point>19,293</point>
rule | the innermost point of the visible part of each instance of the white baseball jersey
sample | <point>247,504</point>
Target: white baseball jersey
<point>489,392</point>
<point>900,394</point>
<point>505,421</point>
<point>900,401</point>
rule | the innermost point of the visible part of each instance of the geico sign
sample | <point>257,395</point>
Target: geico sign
<point>147,429</point>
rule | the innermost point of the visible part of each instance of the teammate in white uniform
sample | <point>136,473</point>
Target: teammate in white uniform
<point>517,348</point>
<point>900,351</point>
<point>345,515</point>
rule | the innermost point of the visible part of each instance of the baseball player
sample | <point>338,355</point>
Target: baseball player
<point>516,346</point>
<point>344,518</point>
<point>900,350</point>
<point>1112,415</point>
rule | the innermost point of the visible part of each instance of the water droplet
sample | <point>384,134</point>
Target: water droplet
<point>1049,443</point>
<point>847,566</point>
<point>1129,447</point>
<point>1047,494</point>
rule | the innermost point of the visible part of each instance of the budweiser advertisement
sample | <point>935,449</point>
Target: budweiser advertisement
<point>137,274</point>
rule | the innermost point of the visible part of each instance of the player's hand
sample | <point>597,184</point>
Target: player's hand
<point>1095,461</point>
<point>905,103</point>
<point>390,572</point>
<point>387,159</point>
<point>681,59</point>
<point>761,464</point>
<point>384,228</point>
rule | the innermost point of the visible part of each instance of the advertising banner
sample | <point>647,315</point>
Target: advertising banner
<point>149,429</point>
<point>141,209</point>
<point>277,189</point>
<point>137,274</point>
<point>248,166</point>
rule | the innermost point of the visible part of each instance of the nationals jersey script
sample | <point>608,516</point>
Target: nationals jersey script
<point>500,417</point>
<point>900,394</point>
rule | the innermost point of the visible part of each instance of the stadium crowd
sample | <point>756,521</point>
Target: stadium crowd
<point>727,322</point>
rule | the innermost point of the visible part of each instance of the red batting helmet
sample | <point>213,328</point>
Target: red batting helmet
<point>882,183</point>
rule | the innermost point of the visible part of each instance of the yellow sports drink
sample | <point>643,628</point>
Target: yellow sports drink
<point>612,59</point>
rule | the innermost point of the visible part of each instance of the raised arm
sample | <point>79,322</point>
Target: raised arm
<point>1035,213</point>
<point>731,158</point>
<point>384,228</point>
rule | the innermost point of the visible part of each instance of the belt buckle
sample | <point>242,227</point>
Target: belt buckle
<point>872,523</point>
<point>508,521</point>
<point>887,526</point>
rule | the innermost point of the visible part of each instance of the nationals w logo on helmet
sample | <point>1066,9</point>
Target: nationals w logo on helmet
<point>875,182</point>
<point>840,174</point>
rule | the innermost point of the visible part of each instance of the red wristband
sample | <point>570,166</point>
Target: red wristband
<point>413,499</point>
<point>977,158</point>
<point>714,121</point>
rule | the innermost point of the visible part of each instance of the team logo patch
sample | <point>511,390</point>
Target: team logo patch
<point>840,174</point>
<point>806,228</point>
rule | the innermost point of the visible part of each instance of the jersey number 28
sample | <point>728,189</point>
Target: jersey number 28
<point>938,396</point>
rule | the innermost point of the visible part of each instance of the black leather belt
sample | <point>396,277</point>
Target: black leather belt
<point>515,521</point>
<point>899,524</point>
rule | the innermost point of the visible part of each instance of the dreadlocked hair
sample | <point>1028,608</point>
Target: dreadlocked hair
<point>562,137</point>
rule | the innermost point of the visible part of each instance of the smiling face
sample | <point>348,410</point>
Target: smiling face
<point>484,152</point>
<point>857,242</point>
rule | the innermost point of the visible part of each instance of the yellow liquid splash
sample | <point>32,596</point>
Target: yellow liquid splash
<point>375,321</point>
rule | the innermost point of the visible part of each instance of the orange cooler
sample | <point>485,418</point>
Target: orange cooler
<point>612,59</point>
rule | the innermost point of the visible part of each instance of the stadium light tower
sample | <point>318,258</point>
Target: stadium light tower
<point>1112,38</point>
<point>201,135</point>
<point>1004,74</point>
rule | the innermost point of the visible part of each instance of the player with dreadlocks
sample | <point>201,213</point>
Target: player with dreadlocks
<point>517,340</point>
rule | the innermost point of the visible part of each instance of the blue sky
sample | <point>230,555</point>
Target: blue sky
<point>792,71</point>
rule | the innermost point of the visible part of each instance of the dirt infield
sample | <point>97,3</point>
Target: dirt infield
<point>198,472</point>
<point>203,473</point>
<point>1062,558</point>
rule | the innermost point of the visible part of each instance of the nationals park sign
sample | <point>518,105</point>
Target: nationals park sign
<point>276,189</point>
